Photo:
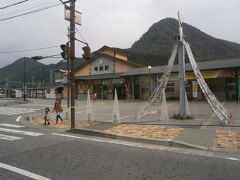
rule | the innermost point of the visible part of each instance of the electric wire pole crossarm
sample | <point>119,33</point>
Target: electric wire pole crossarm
<point>44,57</point>
<point>86,49</point>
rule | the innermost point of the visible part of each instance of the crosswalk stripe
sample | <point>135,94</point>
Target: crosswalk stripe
<point>22,172</point>
<point>17,113</point>
<point>9,138</point>
<point>18,118</point>
<point>14,110</point>
<point>11,125</point>
<point>20,132</point>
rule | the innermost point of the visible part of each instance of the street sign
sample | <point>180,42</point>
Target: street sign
<point>77,16</point>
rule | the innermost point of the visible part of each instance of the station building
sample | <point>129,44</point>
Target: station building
<point>110,69</point>
<point>222,77</point>
<point>102,74</point>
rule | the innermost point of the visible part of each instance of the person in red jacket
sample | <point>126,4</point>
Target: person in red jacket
<point>58,109</point>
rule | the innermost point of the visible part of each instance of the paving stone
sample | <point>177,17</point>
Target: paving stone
<point>227,139</point>
<point>201,137</point>
<point>153,132</point>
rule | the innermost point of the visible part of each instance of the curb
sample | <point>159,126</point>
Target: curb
<point>224,150</point>
<point>135,139</point>
<point>173,143</point>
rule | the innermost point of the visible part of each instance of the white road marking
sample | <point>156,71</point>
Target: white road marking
<point>9,138</point>
<point>20,132</point>
<point>234,159</point>
<point>13,110</point>
<point>20,112</point>
<point>149,146</point>
<point>12,125</point>
<point>18,118</point>
<point>23,172</point>
<point>78,137</point>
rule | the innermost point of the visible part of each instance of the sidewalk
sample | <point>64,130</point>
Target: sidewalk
<point>206,139</point>
<point>202,132</point>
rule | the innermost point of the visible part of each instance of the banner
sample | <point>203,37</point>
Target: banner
<point>154,102</point>
<point>206,74</point>
<point>215,105</point>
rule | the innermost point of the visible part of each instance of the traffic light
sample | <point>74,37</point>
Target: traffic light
<point>37,57</point>
<point>87,52</point>
<point>65,48</point>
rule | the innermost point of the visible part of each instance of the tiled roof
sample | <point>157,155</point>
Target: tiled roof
<point>100,76</point>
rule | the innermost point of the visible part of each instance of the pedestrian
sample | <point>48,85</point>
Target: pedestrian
<point>58,109</point>
<point>46,116</point>
<point>94,96</point>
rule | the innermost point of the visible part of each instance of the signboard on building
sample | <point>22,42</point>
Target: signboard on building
<point>206,74</point>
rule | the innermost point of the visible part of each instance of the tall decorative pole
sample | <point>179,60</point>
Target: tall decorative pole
<point>181,63</point>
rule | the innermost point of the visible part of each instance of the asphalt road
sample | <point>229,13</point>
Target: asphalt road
<point>44,153</point>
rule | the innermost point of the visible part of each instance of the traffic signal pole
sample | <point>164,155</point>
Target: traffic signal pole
<point>72,60</point>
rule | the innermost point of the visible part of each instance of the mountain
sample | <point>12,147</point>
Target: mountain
<point>153,48</point>
<point>34,71</point>
<point>158,41</point>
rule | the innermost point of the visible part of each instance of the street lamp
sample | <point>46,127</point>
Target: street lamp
<point>149,72</point>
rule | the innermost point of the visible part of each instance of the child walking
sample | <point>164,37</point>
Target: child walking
<point>58,109</point>
<point>46,116</point>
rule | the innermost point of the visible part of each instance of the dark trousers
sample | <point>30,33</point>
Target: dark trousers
<point>58,116</point>
<point>46,121</point>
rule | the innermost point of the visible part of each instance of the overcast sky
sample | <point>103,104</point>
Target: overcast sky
<point>115,23</point>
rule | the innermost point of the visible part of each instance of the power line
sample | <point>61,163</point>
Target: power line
<point>80,34</point>
<point>12,13</point>
<point>31,12</point>
<point>35,5</point>
<point>13,4</point>
<point>26,50</point>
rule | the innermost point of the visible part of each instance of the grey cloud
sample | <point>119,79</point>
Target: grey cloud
<point>113,23</point>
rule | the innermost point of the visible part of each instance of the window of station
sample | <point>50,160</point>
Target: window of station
<point>170,86</point>
<point>188,86</point>
<point>101,68</point>
<point>231,84</point>
<point>96,68</point>
<point>107,67</point>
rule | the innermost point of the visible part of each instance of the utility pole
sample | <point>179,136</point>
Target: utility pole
<point>72,60</point>
<point>68,79</point>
